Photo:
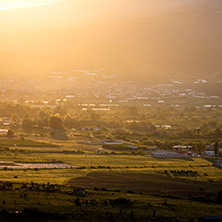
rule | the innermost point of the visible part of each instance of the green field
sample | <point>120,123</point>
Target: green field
<point>100,205</point>
<point>29,143</point>
<point>171,187</point>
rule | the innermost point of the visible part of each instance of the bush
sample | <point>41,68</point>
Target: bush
<point>10,134</point>
<point>82,167</point>
<point>130,192</point>
<point>103,189</point>
<point>123,202</point>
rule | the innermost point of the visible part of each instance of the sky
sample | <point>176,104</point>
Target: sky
<point>17,4</point>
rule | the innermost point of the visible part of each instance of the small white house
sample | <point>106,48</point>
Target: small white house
<point>132,147</point>
<point>164,154</point>
<point>180,147</point>
<point>219,152</point>
<point>163,126</point>
<point>111,142</point>
<point>209,153</point>
<point>99,151</point>
<point>217,163</point>
<point>3,132</point>
<point>192,154</point>
<point>6,121</point>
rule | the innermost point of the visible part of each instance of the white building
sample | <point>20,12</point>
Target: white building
<point>192,154</point>
<point>180,147</point>
<point>217,163</point>
<point>163,126</point>
<point>164,153</point>
<point>99,151</point>
<point>6,121</point>
<point>219,152</point>
<point>3,131</point>
<point>209,153</point>
<point>132,147</point>
<point>111,142</point>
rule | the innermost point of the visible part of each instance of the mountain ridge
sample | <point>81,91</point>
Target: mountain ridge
<point>184,42</point>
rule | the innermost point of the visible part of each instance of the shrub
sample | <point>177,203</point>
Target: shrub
<point>130,192</point>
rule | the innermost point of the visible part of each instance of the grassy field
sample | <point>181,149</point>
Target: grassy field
<point>90,161</point>
<point>99,205</point>
<point>168,186</point>
<point>30,143</point>
<point>54,176</point>
<point>147,182</point>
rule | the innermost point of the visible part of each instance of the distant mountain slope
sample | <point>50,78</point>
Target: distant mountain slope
<point>183,41</point>
<point>68,13</point>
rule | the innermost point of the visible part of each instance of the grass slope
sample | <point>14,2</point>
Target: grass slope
<point>149,183</point>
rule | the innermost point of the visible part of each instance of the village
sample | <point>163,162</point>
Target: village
<point>104,92</point>
<point>110,149</point>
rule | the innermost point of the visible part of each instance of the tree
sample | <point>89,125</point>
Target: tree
<point>27,122</point>
<point>218,132</point>
<point>216,148</point>
<point>219,197</point>
<point>133,111</point>
<point>200,147</point>
<point>94,116</point>
<point>213,124</point>
<point>15,119</point>
<point>61,110</point>
<point>69,122</point>
<point>10,134</point>
<point>44,118</point>
<point>55,122</point>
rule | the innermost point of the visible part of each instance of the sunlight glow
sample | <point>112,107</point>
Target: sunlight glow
<point>23,4</point>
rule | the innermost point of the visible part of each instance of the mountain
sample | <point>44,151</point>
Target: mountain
<point>177,39</point>
<point>69,13</point>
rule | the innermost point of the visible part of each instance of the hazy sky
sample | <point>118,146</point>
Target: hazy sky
<point>16,4</point>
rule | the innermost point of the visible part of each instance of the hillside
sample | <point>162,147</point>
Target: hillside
<point>181,41</point>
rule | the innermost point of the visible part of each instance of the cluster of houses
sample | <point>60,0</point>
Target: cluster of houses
<point>173,154</point>
<point>217,163</point>
<point>184,151</point>
<point>181,153</point>
<point>6,121</point>
<point>178,151</point>
<point>208,153</point>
